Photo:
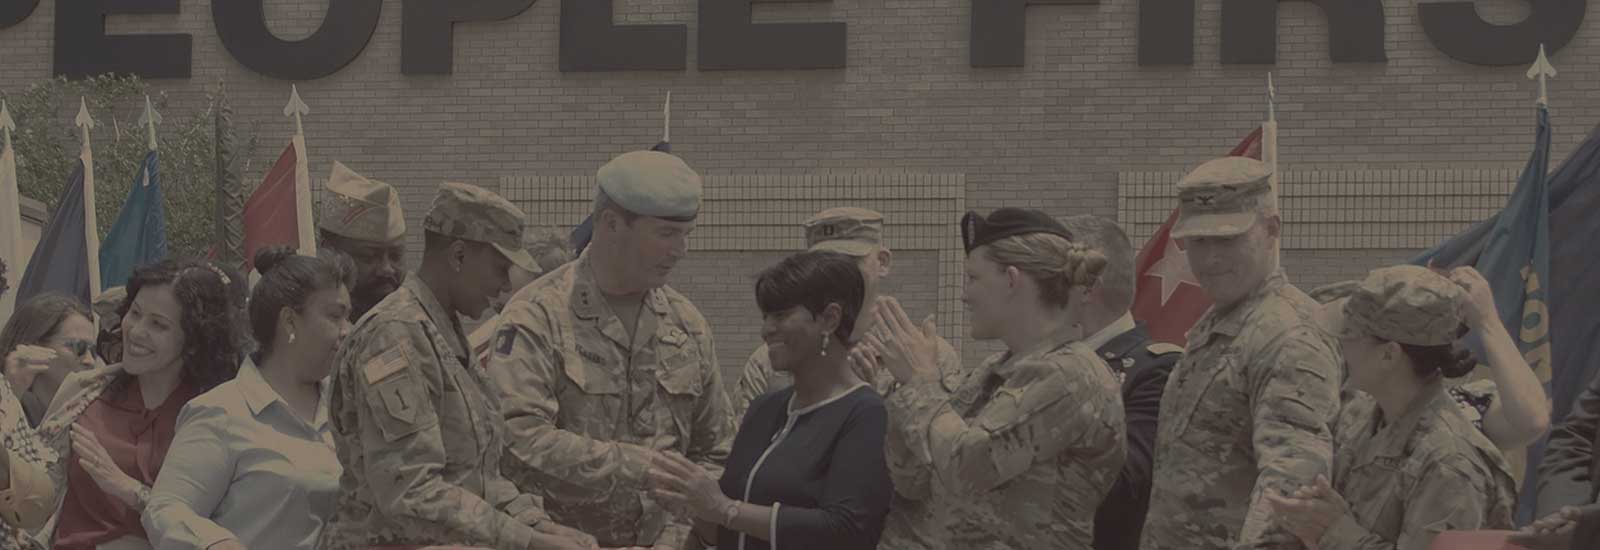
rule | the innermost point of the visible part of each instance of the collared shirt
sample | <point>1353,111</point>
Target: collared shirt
<point>1119,327</point>
<point>245,467</point>
<point>587,405</point>
<point>1018,457</point>
<point>1407,479</point>
<point>416,427</point>
<point>137,438</point>
<point>1249,408</point>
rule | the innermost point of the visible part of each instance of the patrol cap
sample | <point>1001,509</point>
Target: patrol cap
<point>1332,292</point>
<point>105,305</point>
<point>652,183</point>
<point>1222,198</point>
<point>1406,304</point>
<point>472,213</point>
<point>977,230</point>
<point>848,230</point>
<point>361,208</point>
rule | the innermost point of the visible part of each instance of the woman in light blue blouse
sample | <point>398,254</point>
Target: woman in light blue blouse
<point>252,464</point>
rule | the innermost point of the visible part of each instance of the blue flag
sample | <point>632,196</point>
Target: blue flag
<point>1512,251</point>
<point>1574,274</point>
<point>584,232</point>
<point>140,235</point>
<point>60,262</point>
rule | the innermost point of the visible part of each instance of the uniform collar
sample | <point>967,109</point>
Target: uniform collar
<point>1116,328</point>
<point>1231,321</point>
<point>1123,344</point>
<point>1055,341</point>
<point>1393,437</point>
<point>446,321</point>
<point>589,303</point>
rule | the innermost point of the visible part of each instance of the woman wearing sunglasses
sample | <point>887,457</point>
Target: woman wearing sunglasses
<point>112,426</point>
<point>32,347</point>
<point>49,337</point>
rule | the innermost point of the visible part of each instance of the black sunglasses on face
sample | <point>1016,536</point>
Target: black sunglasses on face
<point>78,347</point>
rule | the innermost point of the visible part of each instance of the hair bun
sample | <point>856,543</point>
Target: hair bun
<point>269,258</point>
<point>1084,264</point>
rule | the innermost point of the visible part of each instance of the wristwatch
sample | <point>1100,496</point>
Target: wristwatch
<point>729,512</point>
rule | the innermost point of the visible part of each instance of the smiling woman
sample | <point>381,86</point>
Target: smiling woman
<point>112,426</point>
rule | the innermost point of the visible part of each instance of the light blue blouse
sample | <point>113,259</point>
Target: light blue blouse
<point>243,466</point>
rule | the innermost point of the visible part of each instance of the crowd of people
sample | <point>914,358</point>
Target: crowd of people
<point>341,403</point>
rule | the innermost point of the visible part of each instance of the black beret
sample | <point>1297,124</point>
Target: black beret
<point>977,230</point>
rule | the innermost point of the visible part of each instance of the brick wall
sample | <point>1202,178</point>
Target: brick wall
<point>1052,135</point>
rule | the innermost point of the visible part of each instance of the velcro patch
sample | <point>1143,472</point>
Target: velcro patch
<point>385,365</point>
<point>504,340</point>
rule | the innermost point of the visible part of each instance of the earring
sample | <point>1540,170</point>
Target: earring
<point>824,345</point>
<point>291,337</point>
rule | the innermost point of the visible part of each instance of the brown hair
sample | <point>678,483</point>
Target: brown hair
<point>1057,264</point>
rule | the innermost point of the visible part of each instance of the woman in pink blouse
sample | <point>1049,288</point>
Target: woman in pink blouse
<point>112,426</point>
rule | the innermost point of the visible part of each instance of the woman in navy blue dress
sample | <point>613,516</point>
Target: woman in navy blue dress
<point>807,467</point>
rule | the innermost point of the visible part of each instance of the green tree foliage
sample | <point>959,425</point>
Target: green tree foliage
<point>47,144</point>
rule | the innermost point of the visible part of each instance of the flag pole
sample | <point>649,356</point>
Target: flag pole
<point>302,174</point>
<point>91,229</point>
<point>149,120</point>
<point>10,211</point>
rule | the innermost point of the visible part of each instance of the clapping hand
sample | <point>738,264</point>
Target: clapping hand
<point>904,349</point>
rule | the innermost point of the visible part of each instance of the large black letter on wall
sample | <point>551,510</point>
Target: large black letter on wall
<point>1250,30</point>
<point>589,42</point>
<point>345,31</point>
<point>999,30</point>
<point>1456,29</point>
<point>14,11</point>
<point>84,50</point>
<point>728,40</point>
<point>426,29</point>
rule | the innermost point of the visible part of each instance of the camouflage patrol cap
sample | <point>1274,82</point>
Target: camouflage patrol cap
<point>472,213</point>
<point>361,208</point>
<point>652,183</point>
<point>106,304</point>
<point>1406,304</point>
<point>849,230</point>
<point>1222,198</point>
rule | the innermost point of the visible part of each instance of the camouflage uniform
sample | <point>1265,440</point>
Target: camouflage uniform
<point>1018,457</point>
<point>1426,470</point>
<point>1251,405</point>
<point>417,428</point>
<point>587,407</point>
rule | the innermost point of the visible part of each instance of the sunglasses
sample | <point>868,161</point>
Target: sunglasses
<point>78,347</point>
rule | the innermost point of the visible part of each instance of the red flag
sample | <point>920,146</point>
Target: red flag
<point>1168,298</point>
<point>270,216</point>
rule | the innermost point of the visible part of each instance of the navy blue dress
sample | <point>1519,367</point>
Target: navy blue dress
<point>822,468</point>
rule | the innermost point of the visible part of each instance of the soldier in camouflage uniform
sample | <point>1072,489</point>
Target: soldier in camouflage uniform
<point>856,232</point>
<point>600,365</point>
<point>1409,464</point>
<point>361,217</point>
<point>417,428</point>
<point>1250,407</point>
<point>1021,454</point>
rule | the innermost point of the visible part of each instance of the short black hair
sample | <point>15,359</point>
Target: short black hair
<point>287,281</point>
<point>813,280</point>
